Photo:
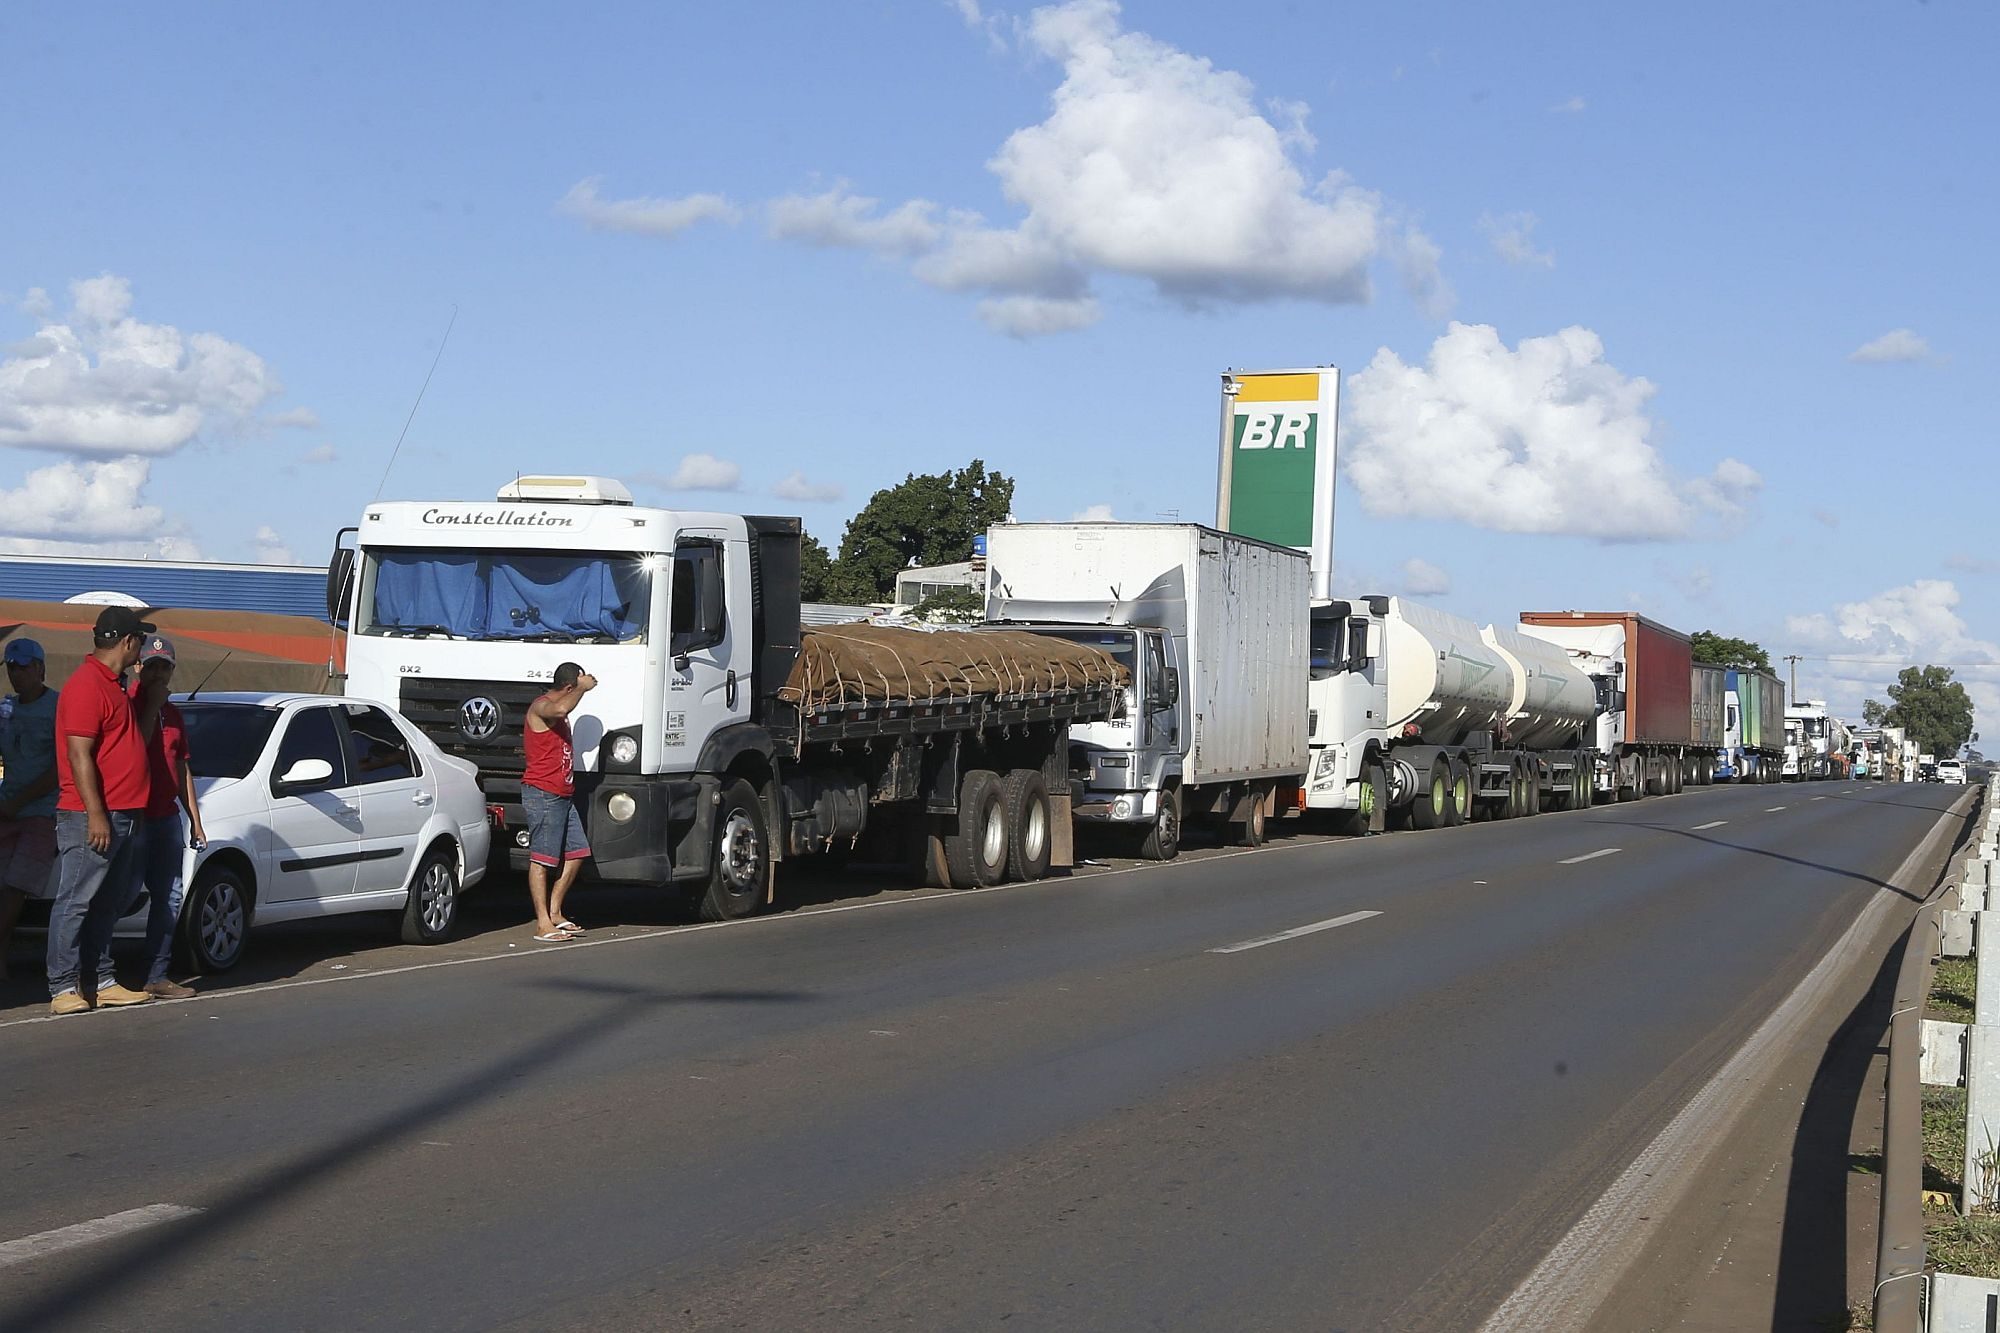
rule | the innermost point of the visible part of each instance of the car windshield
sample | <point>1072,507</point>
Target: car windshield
<point>224,740</point>
<point>566,597</point>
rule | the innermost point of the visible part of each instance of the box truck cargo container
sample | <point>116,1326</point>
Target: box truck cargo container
<point>720,740</point>
<point>1644,675</point>
<point>1213,627</point>
<point>1707,688</point>
<point>1753,746</point>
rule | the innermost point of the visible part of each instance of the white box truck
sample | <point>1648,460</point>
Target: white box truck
<point>1214,628</point>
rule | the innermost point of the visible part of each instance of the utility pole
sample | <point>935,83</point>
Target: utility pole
<point>1794,659</point>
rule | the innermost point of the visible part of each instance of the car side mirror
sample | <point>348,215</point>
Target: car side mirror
<point>306,773</point>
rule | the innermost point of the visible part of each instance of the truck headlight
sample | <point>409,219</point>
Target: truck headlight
<point>625,749</point>
<point>621,807</point>
<point>1122,808</point>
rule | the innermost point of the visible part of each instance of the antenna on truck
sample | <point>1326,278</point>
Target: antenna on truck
<point>419,403</point>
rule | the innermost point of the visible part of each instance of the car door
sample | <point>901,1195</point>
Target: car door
<point>395,796</point>
<point>315,826</point>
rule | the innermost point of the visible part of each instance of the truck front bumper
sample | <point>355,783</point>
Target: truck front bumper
<point>641,830</point>
<point>1125,807</point>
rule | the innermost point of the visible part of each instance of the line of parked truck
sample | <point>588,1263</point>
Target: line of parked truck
<point>723,738</point>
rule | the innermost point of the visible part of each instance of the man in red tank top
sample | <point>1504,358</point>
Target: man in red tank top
<point>548,790</point>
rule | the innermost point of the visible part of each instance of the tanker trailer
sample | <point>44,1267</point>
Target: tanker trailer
<point>1417,717</point>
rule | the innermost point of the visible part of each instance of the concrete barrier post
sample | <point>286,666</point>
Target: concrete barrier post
<point>1982,1078</point>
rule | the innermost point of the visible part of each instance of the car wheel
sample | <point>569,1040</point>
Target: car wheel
<point>431,915</point>
<point>215,920</point>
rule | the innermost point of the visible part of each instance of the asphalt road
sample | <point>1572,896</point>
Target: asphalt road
<point>1075,1104</point>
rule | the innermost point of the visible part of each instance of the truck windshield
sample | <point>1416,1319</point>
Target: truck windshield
<point>572,597</point>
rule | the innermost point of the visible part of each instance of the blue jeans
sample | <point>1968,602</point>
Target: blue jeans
<point>165,839</point>
<point>92,891</point>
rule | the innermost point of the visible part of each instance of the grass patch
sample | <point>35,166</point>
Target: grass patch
<point>1957,981</point>
<point>1944,1139</point>
<point>1969,1245</point>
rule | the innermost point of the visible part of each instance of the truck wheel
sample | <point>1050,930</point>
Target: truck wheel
<point>1433,804</point>
<point>1163,840</point>
<point>975,850</point>
<point>1655,777</point>
<point>1460,809</point>
<point>739,869</point>
<point>1029,837</point>
<point>1250,832</point>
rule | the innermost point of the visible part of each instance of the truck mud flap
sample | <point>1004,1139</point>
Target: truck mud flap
<point>1062,831</point>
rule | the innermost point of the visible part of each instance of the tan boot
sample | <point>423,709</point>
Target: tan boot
<point>69,1002</point>
<point>116,996</point>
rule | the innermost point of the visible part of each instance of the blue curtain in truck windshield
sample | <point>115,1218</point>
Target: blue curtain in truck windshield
<point>510,596</point>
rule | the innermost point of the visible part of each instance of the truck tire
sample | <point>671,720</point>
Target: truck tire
<point>975,848</point>
<point>1655,783</point>
<point>1162,841</point>
<point>739,868</point>
<point>1030,838</point>
<point>1461,794</point>
<point>1432,808</point>
<point>1250,830</point>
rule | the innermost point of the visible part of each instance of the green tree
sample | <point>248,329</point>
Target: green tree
<point>1872,712</point>
<point>815,569</point>
<point>952,606</point>
<point>925,519</point>
<point>1712,647</point>
<point>1928,704</point>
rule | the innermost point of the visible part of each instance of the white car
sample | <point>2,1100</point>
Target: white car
<point>319,806</point>
<point>1950,770</point>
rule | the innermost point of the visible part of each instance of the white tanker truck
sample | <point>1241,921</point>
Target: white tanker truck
<point>1421,717</point>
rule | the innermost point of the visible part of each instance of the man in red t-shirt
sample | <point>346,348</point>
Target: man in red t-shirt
<point>165,837</point>
<point>104,785</point>
<point>548,791</point>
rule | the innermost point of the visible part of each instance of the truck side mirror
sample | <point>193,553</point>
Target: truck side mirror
<point>339,579</point>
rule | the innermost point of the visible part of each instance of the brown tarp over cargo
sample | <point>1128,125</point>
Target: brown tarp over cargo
<point>264,652</point>
<point>849,664</point>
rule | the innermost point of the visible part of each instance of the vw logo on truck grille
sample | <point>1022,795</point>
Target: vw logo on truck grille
<point>479,718</point>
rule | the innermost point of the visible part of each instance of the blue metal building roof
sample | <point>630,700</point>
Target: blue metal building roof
<point>283,590</point>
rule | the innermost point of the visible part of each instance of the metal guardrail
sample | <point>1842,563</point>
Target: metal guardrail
<point>1899,1253</point>
<point>1900,1276</point>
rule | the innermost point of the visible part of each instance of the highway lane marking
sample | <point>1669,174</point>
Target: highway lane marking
<point>1572,1280</point>
<point>1296,931</point>
<point>43,1244</point>
<point>1590,856</point>
<point>675,932</point>
<point>1713,823</point>
<point>1772,809</point>
<point>1819,798</point>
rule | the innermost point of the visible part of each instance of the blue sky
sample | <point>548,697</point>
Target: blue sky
<point>825,245</point>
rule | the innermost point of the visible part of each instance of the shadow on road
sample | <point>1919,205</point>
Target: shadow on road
<point>1812,1255</point>
<point>122,1268</point>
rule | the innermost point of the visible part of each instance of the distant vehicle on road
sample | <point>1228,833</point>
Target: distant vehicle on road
<point>1951,771</point>
<point>317,806</point>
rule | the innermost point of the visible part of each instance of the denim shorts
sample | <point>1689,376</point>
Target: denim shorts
<point>555,829</point>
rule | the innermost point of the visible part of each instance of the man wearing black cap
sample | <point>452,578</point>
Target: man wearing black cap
<point>104,784</point>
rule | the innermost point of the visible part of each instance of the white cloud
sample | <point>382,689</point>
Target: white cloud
<point>320,453</point>
<point>1569,106</point>
<point>1893,346</point>
<point>269,548</point>
<point>1971,564</point>
<point>645,216</point>
<point>1545,438</point>
<point>1870,640</point>
<point>841,218</point>
<point>1152,165</point>
<point>98,381</point>
<point>1421,578</point>
<point>86,507</point>
<point>1418,259</point>
<point>1512,235</point>
<point>975,18</point>
<point>797,487</point>
<point>1094,514</point>
<point>698,472</point>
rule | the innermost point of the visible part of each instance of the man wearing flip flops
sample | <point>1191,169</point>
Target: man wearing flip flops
<point>548,791</point>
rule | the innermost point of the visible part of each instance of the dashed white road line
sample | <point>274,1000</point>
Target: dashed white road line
<point>1713,823</point>
<point>43,1244</point>
<point>1295,932</point>
<point>1819,798</point>
<point>1772,809</point>
<point>1590,856</point>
